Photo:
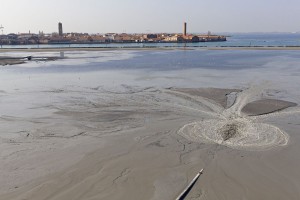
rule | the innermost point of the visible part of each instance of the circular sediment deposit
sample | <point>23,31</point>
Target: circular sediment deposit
<point>237,125</point>
<point>239,133</point>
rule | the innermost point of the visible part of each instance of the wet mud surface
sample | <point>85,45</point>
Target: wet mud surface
<point>140,125</point>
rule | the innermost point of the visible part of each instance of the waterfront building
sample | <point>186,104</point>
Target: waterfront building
<point>12,36</point>
<point>191,38</point>
<point>174,38</point>
<point>26,36</point>
<point>150,36</point>
<point>98,39</point>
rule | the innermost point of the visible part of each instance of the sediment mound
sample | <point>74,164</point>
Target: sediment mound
<point>234,129</point>
<point>238,134</point>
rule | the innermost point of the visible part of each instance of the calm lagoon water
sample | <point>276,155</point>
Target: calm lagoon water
<point>164,68</point>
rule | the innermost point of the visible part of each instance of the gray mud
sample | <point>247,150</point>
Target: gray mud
<point>102,125</point>
<point>266,106</point>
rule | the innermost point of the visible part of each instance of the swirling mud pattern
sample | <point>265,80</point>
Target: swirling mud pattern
<point>234,129</point>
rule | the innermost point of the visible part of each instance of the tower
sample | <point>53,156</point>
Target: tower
<point>184,28</point>
<point>60,29</point>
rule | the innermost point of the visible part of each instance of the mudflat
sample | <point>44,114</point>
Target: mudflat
<point>117,125</point>
<point>128,145</point>
<point>10,61</point>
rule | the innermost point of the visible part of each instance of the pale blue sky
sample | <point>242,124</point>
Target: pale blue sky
<point>100,16</point>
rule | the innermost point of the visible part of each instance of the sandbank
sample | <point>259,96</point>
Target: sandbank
<point>266,106</point>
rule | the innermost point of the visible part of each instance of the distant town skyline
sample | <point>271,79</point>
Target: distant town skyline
<point>139,16</point>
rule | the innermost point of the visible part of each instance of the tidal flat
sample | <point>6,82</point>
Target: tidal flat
<point>130,124</point>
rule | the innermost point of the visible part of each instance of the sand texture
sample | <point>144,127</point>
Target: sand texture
<point>145,143</point>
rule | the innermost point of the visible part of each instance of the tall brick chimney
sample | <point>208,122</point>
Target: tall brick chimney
<point>60,29</point>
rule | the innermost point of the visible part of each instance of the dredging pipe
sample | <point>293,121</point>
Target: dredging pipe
<point>189,187</point>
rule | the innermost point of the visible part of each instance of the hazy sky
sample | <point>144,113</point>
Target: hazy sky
<point>101,16</point>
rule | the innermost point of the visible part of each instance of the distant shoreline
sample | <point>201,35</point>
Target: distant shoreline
<point>58,49</point>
